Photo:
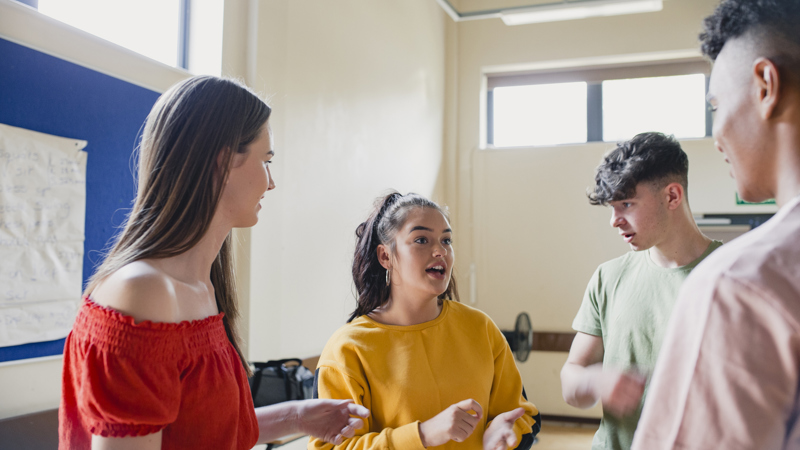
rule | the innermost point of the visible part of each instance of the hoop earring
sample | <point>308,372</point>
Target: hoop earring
<point>388,277</point>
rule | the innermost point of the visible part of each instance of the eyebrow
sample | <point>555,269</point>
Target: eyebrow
<point>710,97</point>
<point>420,227</point>
<point>271,153</point>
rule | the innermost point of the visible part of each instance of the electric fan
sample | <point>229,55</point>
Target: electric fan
<point>521,338</point>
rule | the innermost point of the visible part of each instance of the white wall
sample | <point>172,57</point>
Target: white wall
<point>533,237</point>
<point>358,94</point>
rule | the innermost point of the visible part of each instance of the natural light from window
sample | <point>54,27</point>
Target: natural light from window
<point>205,50</point>
<point>149,27</point>
<point>672,105</point>
<point>536,115</point>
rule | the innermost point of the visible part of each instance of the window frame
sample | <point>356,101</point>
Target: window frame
<point>594,77</point>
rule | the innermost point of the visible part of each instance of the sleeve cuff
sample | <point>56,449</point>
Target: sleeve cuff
<point>123,430</point>
<point>587,329</point>
<point>407,437</point>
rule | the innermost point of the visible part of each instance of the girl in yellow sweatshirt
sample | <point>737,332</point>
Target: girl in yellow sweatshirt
<point>433,372</point>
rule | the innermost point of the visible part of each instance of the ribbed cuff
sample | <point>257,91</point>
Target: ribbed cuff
<point>406,437</point>
<point>123,430</point>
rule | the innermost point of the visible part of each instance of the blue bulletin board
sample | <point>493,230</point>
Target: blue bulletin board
<point>43,93</point>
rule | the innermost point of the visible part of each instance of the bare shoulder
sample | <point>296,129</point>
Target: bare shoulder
<point>139,290</point>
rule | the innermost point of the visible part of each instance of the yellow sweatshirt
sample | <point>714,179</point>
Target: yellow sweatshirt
<point>408,374</point>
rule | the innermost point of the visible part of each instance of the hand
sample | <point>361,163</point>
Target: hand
<point>621,392</point>
<point>500,434</point>
<point>330,420</point>
<point>456,423</point>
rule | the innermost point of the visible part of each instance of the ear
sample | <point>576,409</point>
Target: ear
<point>384,256</point>
<point>768,83</point>
<point>675,195</point>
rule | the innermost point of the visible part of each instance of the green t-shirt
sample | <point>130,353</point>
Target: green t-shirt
<point>628,303</point>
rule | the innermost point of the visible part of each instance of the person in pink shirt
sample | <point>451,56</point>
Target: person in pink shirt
<point>728,373</point>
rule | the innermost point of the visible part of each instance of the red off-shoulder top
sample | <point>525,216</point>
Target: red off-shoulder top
<point>132,379</point>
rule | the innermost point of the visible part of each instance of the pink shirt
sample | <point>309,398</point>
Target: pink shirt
<point>728,372</point>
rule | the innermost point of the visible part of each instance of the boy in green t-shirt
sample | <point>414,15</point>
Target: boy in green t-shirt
<point>628,301</point>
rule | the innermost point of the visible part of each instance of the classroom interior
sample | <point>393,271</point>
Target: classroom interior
<point>369,96</point>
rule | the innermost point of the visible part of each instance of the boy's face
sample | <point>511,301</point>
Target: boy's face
<point>643,219</point>
<point>739,132</point>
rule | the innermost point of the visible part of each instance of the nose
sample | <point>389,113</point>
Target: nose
<point>270,181</point>
<point>616,219</point>
<point>439,250</point>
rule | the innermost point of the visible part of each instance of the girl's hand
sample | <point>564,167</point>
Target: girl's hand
<point>330,420</point>
<point>500,434</point>
<point>456,423</point>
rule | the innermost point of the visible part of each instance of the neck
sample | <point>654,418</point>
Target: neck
<point>194,265</point>
<point>787,167</point>
<point>785,131</point>
<point>406,309</point>
<point>683,244</point>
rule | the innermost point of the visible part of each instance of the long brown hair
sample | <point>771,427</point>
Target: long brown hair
<point>189,140</point>
<point>381,227</point>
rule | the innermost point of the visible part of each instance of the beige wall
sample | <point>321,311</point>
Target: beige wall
<point>358,95</point>
<point>533,237</point>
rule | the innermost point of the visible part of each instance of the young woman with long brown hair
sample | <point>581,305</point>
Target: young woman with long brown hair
<point>154,358</point>
<point>433,372</point>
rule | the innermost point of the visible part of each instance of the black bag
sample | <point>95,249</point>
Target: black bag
<point>275,381</point>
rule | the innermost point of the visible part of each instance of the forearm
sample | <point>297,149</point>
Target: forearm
<point>278,420</point>
<point>579,384</point>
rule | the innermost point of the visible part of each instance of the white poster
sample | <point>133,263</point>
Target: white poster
<point>42,208</point>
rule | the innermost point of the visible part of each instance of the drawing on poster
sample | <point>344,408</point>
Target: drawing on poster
<point>42,209</point>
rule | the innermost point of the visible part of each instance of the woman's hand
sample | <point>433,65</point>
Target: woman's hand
<point>456,423</point>
<point>500,434</point>
<point>330,420</point>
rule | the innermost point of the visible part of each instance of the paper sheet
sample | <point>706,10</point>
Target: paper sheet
<point>42,209</point>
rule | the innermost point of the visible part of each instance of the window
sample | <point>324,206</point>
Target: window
<point>673,105</point>
<point>600,104</point>
<point>205,49</point>
<point>179,33</point>
<point>539,114</point>
<point>149,27</point>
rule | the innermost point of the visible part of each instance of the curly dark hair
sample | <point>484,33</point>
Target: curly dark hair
<point>648,157</point>
<point>773,25</point>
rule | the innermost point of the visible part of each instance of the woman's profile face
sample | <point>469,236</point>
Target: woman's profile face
<point>248,180</point>
<point>423,254</point>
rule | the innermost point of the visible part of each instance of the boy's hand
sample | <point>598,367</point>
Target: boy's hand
<point>621,392</point>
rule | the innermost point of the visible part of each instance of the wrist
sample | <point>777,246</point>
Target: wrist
<point>293,418</point>
<point>422,434</point>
